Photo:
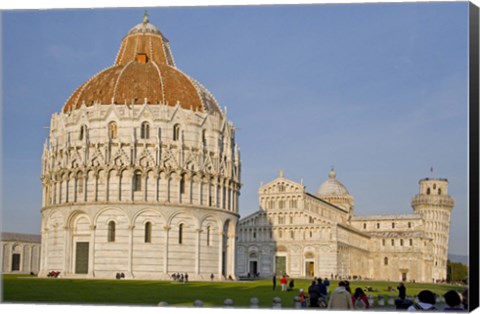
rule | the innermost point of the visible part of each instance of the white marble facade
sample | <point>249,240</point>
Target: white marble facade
<point>146,187</point>
<point>306,235</point>
<point>20,253</point>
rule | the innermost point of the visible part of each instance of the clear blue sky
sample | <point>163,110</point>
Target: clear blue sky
<point>379,91</point>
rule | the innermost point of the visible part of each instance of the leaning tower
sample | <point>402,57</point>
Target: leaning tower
<point>435,206</point>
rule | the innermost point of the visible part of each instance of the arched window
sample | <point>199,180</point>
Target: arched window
<point>83,132</point>
<point>378,225</point>
<point>204,137</point>
<point>439,191</point>
<point>180,234</point>
<point>111,231</point>
<point>393,242</point>
<point>428,191</point>
<point>401,242</point>
<point>208,236</point>
<point>364,226</point>
<point>176,132</point>
<point>145,130</point>
<point>112,130</point>
<point>182,184</point>
<point>383,242</point>
<point>137,181</point>
<point>80,184</point>
<point>292,234</point>
<point>148,232</point>
<point>293,203</point>
<point>385,261</point>
<point>393,225</point>
<point>409,225</point>
<point>411,242</point>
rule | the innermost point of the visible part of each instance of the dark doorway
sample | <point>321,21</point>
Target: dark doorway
<point>404,276</point>
<point>253,268</point>
<point>81,261</point>
<point>15,262</point>
<point>280,265</point>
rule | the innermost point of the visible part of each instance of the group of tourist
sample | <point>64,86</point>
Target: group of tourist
<point>342,298</point>
<point>180,277</point>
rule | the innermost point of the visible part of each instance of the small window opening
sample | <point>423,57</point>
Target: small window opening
<point>145,130</point>
<point>137,181</point>
<point>148,232</point>
<point>142,58</point>
<point>111,231</point>
<point>112,130</point>
<point>180,234</point>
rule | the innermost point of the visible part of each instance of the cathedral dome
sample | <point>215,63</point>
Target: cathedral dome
<point>144,72</point>
<point>332,187</point>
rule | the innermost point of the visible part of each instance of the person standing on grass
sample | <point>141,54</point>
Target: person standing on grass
<point>340,299</point>
<point>283,282</point>
<point>274,281</point>
<point>402,291</point>
<point>313,294</point>
<point>326,283</point>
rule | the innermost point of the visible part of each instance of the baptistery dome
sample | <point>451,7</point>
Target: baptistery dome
<point>144,71</point>
<point>140,173</point>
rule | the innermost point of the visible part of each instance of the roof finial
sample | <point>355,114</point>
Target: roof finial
<point>332,173</point>
<point>281,173</point>
<point>145,17</point>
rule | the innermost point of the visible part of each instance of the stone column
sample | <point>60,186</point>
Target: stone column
<point>131,174</point>
<point>44,252</point>
<point>91,252</point>
<point>145,190</point>
<point>130,250</point>
<point>165,257</point>
<point>197,260</point>
<point>231,254</point>
<point>85,181</point>
<point>220,254</point>
<point>66,251</point>
<point>156,176</point>
<point>95,186</point>
<point>7,257</point>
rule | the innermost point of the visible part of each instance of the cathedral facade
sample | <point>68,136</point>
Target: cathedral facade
<point>140,173</point>
<point>308,235</point>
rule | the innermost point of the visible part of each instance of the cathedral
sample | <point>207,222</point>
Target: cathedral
<point>308,235</point>
<point>140,173</point>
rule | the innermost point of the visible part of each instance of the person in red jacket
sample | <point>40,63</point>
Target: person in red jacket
<point>283,282</point>
<point>360,300</point>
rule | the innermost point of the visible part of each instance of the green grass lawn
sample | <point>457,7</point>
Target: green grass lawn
<point>30,289</point>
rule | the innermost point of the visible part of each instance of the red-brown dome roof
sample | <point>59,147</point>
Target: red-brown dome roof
<point>144,70</point>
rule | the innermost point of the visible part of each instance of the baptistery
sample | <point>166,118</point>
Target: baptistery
<point>140,173</point>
